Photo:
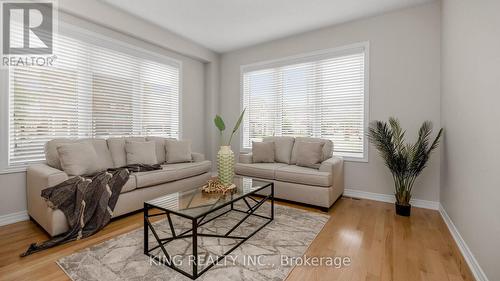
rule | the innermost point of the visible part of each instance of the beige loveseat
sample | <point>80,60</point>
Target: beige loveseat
<point>319,187</point>
<point>140,187</point>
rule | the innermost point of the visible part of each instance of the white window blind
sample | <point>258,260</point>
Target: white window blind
<point>317,96</point>
<point>91,91</point>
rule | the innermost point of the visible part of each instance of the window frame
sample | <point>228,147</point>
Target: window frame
<point>330,52</point>
<point>110,41</point>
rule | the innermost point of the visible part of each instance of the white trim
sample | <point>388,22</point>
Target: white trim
<point>419,203</point>
<point>4,119</point>
<point>181,99</point>
<point>262,64</point>
<point>367,105</point>
<point>13,170</point>
<point>242,102</point>
<point>364,45</point>
<point>80,33</point>
<point>14,217</point>
<point>474,266</point>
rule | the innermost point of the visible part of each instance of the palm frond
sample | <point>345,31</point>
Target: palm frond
<point>405,160</point>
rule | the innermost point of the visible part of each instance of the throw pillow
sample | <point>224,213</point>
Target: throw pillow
<point>282,148</point>
<point>141,152</point>
<point>79,159</point>
<point>263,152</point>
<point>309,154</point>
<point>178,151</point>
<point>327,148</point>
<point>160,147</point>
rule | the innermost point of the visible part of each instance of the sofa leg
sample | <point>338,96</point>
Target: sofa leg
<point>324,209</point>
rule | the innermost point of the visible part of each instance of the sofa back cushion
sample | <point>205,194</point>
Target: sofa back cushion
<point>282,148</point>
<point>141,152</point>
<point>117,149</point>
<point>79,158</point>
<point>309,154</point>
<point>100,146</point>
<point>327,148</point>
<point>263,152</point>
<point>160,148</point>
<point>178,151</point>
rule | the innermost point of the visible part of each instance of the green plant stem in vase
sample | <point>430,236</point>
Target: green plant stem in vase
<point>406,161</point>
<point>225,156</point>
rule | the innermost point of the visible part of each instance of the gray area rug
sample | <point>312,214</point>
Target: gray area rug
<point>259,258</point>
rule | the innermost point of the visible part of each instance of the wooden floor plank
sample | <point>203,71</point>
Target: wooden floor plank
<point>381,246</point>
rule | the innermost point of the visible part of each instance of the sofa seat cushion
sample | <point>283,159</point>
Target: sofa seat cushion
<point>190,169</point>
<point>172,172</point>
<point>303,175</point>
<point>130,185</point>
<point>259,170</point>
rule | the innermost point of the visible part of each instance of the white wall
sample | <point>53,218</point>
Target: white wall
<point>108,16</point>
<point>199,86</point>
<point>470,173</point>
<point>404,81</point>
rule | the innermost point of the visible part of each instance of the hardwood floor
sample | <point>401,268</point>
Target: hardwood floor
<point>380,245</point>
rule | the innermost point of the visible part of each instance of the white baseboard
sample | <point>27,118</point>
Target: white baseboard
<point>419,203</point>
<point>474,266</point>
<point>476,269</point>
<point>14,217</point>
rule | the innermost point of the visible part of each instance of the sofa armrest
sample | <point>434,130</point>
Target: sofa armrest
<point>335,166</point>
<point>38,178</point>
<point>197,157</point>
<point>246,158</point>
<point>43,174</point>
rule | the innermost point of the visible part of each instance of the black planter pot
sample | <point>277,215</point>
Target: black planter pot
<point>403,210</point>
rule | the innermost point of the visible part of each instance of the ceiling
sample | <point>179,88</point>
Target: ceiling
<point>226,25</point>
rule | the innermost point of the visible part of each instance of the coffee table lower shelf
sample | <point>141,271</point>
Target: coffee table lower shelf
<point>193,232</point>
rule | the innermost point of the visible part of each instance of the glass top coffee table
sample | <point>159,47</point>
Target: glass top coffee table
<point>199,208</point>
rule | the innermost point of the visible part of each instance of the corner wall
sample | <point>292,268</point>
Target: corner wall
<point>404,82</point>
<point>470,167</point>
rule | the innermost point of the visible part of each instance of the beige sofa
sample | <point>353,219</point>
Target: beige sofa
<point>140,187</point>
<point>319,187</point>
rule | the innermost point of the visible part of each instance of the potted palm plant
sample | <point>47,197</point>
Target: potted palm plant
<point>405,160</point>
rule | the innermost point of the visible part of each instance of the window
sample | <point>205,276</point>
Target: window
<point>320,95</point>
<point>91,91</point>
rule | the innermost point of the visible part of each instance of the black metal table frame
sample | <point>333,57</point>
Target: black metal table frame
<point>199,221</point>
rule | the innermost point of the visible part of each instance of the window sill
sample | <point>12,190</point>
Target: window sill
<point>13,170</point>
<point>354,159</point>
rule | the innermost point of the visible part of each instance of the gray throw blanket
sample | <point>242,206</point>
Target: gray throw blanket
<point>87,203</point>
